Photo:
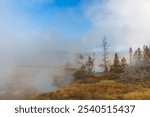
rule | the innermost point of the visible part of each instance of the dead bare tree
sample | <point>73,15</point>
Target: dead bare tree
<point>105,53</point>
<point>130,54</point>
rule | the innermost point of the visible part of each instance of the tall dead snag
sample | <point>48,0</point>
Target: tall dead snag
<point>105,53</point>
<point>130,55</point>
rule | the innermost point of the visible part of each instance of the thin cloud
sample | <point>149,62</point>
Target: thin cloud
<point>124,22</point>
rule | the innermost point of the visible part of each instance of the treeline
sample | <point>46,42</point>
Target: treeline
<point>136,68</point>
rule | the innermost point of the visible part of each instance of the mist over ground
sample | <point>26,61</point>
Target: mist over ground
<point>32,59</point>
<point>38,39</point>
<point>32,64</point>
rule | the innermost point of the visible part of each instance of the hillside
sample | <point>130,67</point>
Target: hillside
<point>100,87</point>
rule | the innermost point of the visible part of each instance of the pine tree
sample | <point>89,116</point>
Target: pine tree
<point>116,61</point>
<point>146,51</point>
<point>89,65</point>
<point>135,54</point>
<point>124,68</point>
<point>139,54</point>
<point>116,67</point>
<point>123,61</point>
<point>86,70</point>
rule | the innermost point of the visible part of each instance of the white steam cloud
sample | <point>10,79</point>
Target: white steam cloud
<point>124,22</point>
<point>31,59</point>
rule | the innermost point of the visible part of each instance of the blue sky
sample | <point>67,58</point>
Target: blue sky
<point>66,16</point>
<point>78,19</point>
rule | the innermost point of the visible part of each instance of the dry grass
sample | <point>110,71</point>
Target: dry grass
<point>104,88</point>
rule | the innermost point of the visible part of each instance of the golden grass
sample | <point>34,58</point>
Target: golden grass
<point>104,89</point>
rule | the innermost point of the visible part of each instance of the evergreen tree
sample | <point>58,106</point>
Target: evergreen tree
<point>116,67</point>
<point>86,70</point>
<point>135,54</point>
<point>89,65</point>
<point>139,54</point>
<point>123,61</point>
<point>146,52</point>
<point>116,61</point>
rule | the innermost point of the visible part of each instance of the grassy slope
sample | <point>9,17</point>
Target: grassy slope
<point>98,88</point>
